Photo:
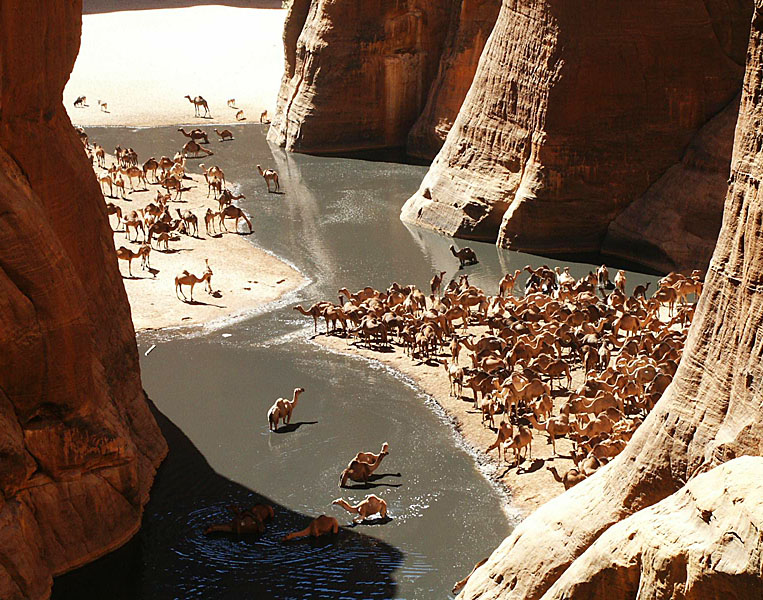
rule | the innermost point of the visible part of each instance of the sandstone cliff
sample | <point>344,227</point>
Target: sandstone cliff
<point>711,414</point>
<point>78,446</point>
<point>575,114</point>
<point>359,74</point>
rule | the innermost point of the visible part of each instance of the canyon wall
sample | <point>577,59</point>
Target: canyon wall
<point>78,445</point>
<point>576,114</point>
<point>363,75</point>
<point>674,515</point>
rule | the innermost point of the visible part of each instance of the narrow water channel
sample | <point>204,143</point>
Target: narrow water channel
<point>337,221</point>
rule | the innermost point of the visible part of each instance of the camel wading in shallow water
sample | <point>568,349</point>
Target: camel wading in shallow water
<point>319,526</point>
<point>371,505</point>
<point>194,148</point>
<point>198,103</point>
<point>246,521</point>
<point>269,175</point>
<point>225,134</point>
<point>282,409</point>
<point>315,311</point>
<point>370,457</point>
<point>465,256</point>
<point>195,134</point>
<point>360,471</point>
<point>191,280</point>
<point>234,212</point>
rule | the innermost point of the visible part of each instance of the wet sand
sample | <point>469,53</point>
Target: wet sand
<point>143,62</point>
<point>244,276</point>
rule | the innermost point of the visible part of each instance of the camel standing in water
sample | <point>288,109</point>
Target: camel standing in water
<point>465,256</point>
<point>198,103</point>
<point>195,134</point>
<point>315,311</point>
<point>319,526</point>
<point>371,505</point>
<point>361,471</point>
<point>269,175</point>
<point>282,409</point>
<point>225,134</point>
<point>191,280</point>
<point>194,148</point>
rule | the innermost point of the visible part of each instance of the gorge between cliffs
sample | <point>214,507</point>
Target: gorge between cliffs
<point>554,137</point>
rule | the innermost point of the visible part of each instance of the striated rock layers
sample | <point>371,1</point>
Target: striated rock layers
<point>78,446</point>
<point>365,74</point>
<point>649,524</point>
<point>575,114</point>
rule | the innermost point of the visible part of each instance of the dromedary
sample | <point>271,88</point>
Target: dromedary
<point>570,479</point>
<point>234,212</point>
<point>128,255</point>
<point>315,311</point>
<point>319,526</point>
<point>191,280</point>
<point>225,134</point>
<point>194,148</point>
<point>244,521</point>
<point>282,409</point>
<point>360,471</point>
<point>371,505</point>
<point>465,256</point>
<point>198,103</point>
<point>195,134</point>
<point>269,175</point>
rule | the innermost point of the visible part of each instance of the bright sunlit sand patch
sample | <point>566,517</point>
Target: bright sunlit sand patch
<point>142,63</point>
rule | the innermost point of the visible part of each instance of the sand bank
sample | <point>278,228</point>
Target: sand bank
<point>143,62</point>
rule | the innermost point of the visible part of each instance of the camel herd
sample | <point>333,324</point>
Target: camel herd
<point>513,354</point>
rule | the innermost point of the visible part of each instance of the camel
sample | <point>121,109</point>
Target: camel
<point>209,218</point>
<point>460,584</point>
<point>195,134</point>
<point>570,479</point>
<point>227,197</point>
<point>133,220</point>
<point>113,209</point>
<point>371,505</point>
<point>163,238</point>
<point>234,212</point>
<point>269,175</point>
<point>106,180</point>
<point>191,280</point>
<point>198,103</point>
<point>173,183</point>
<point>194,148</point>
<point>212,172</point>
<point>436,283</point>
<point>119,183</point>
<point>465,256</point>
<point>225,134</point>
<point>370,457</point>
<point>620,281</point>
<point>522,439</point>
<point>160,227</point>
<point>288,406</point>
<point>360,471</point>
<point>240,116</point>
<point>151,166</point>
<point>315,311</point>
<point>104,106</point>
<point>100,155</point>
<point>264,117</point>
<point>80,102</point>
<point>128,255</point>
<point>190,221</point>
<point>232,103</point>
<point>506,285</point>
<point>505,432</point>
<point>134,173</point>
<point>319,526</point>
<point>244,521</point>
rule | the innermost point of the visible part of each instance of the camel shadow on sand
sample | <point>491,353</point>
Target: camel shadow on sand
<point>536,464</point>
<point>290,427</point>
<point>200,303</point>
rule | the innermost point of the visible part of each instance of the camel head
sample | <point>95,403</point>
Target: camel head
<point>298,391</point>
<point>385,448</point>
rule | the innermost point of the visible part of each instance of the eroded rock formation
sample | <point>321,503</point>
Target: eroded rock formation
<point>359,74</point>
<point>78,445</point>
<point>575,114</point>
<point>710,415</point>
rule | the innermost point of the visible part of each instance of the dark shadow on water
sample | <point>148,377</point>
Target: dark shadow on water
<point>91,7</point>
<point>170,557</point>
<point>293,426</point>
<point>371,521</point>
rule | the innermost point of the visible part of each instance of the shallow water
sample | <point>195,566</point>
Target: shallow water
<point>337,221</point>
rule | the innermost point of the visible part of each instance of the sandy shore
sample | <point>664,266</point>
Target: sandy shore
<point>528,487</point>
<point>244,277</point>
<point>143,62</point>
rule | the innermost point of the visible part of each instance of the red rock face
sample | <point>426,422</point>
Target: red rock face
<point>583,543</point>
<point>575,114</point>
<point>359,74</point>
<point>78,446</point>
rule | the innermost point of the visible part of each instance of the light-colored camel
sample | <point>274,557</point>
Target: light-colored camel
<point>555,426</point>
<point>505,433</point>
<point>287,406</point>
<point>134,173</point>
<point>370,505</point>
<point>227,197</point>
<point>269,175</point>
<point>315,311</point>
<point>370,457</point>
<point>234,212</point>
<point>194,148</point>
<point>522,439</point>
<point>465,256</point>
<point>460,584</point>
<point>191,280</point>
<point>209,219</point>
<point>570,479</point>
<point>106,180</point>
<point>360,471</point>
<point>128,255</point>
<point>119,183</point>
<point>132,220</point>
<point>199,103</point>
<point>100,155</point>
<point>195,134</point>
<point>225,134</point>
<point>319,526</point>
<point>507,283</point>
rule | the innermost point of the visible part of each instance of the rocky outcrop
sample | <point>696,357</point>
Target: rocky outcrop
<point>359,74</point>
<point>575,114</point>
<point>709,415</point>
<point>78,446</point>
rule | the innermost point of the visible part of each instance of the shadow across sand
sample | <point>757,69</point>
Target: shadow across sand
<point>93,7</point>
<point>171,557</point>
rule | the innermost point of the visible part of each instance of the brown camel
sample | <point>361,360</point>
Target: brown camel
<point>269,175</point>
<point>370,457</point>
<point>319,526</point>
<point>191,280</point>
<point>128,255</point>
<point>227,197</point>
<point>436,283</point>
<point>190,221</point>
<point>106,180</point>
<point>134,173</point>
<point>234,212</point>
<point>244,521</point>
<point>506,285</point>
<point>465,256</point>
<point>198,103</point>
<point>225,134</point>
<point>209,219</point>
<point>315,311</point>
<point>240,116</point>
<point>505,432</point>
<point>570,479</point>
<point>360,471</point>
<point>264,117</point>
<point>232,103</point>
<point>113,209</point>
<point>371,505</point>
<point>555,426</point>
<point>522,439</point>
<point>151,166</point>
<point>195,134</point>
<point>173,183</point>
<point>282,409</point>
<point>212,172</point>
<point>133,220</point>
<point>100,155</point>
<point>194,148</point>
